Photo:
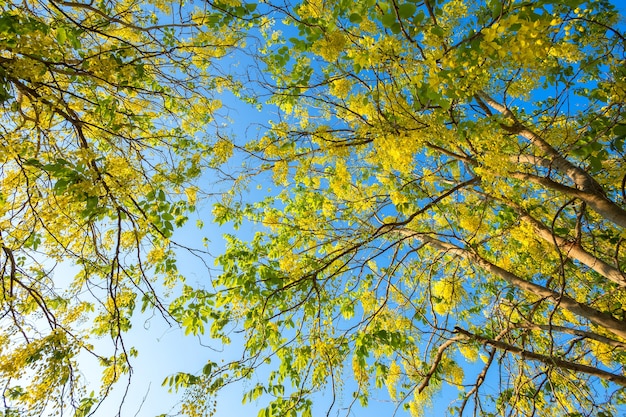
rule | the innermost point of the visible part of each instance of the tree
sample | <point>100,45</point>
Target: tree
<point>448,185</point>
<point>106,108</point>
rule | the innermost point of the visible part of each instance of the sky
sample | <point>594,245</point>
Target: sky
<point>164,350</point>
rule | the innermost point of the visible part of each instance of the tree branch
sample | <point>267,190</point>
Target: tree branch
<point>548,360</point>
<point>600,318</point>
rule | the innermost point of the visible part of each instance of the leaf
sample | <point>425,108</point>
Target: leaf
<point>208,368</point>
<point>60,186</point>
<point>389,20</point>
<point>407,10</point>
<point>356,18</point>
<point>496,8</point>
<point>61,35</point>
<point>619,130</point>
<point>420,188</point>
<point>85,406</point>
<point>91,204</point>
<point>437,30</point>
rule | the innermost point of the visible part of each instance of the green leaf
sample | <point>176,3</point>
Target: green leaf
<point>208,368</point>
<point>437,30</point>
<point>570,3</point>
<point>91,204</point>
<point>619,130</point>
<point>61,35</point>
<point>595,164</point>
<point>60,186</point>
<point>596,146</point>
<point>419,18</point>
<point>496,8</point>
<point>356,18</point>
<point>72,36</point>
<point>85,406</point>
<point>406,10</point>
<point>389,20</point>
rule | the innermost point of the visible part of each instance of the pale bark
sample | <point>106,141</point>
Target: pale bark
<point>587,188</point>
<point>436,361</point>
<point>581,178</point>
<point>575,251</point>
<point>598,202</point>
<point>531,159</point>
<point>599,318</point>
<point>577,332</point>
<point>548,360</point>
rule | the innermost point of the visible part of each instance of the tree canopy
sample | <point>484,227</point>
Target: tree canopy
<point>446,210</point>
<point>105,110</point>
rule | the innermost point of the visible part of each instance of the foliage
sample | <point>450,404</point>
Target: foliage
<point>447,209</point>
<point>105,108</point>
<point>449,185</point>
